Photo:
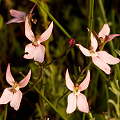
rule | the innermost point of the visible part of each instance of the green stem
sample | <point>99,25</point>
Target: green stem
<point>61,98</point>
<point>102,10</point>
<point>90,25</point>
<point>39,78</point>
<point>55,60</point>
<point>83,70</point>
<point>110,42</point>
<point>90,22</point>
<point>55,21</point>
<point>107,95</point>
<point>5,115</point>
<point>90,116</point>
<point>47,101</point>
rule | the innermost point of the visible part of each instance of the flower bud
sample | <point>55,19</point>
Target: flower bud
<point>71,42</point>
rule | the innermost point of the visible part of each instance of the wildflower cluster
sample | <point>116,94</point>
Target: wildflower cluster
<point>36,51</point>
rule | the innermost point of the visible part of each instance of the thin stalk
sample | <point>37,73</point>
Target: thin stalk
<point>55,21</point>
<point>107,95</point>
<point>90,21</point>
<point>39,78</point>
<point>54,60</point>
<point>90,116</point>
<point>61,98</point>
<point>47,101</point>
<point>5,115</point>
<point>90,25</point>
<point>102,10</point>
<point>83,71</point>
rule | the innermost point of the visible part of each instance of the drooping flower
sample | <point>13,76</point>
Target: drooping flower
<point>104,36</point>
<point>19,15</point>
<point>99,58</point>
<point>13,94</point>
<point>35,49</point>
<point>76,98</point>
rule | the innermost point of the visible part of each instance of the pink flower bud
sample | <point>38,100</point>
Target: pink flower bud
<point>71,42</point>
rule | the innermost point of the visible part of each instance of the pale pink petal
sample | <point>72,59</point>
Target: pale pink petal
<point>16,20</point>
<point>28,32</point>
<point>82,103</point>
<point>46,34</point>
<point>94,42</point>
<point>6,96</point>
<point>85,82</point>
<point>71,103</point>
<point>104,31</point>
<point>32,9</point>
<point>69,82</point>
<point>9,76</point>
<point>30,51</point>
<point>110,37</point>
<point>39,53</point>
<point>16,13</point>
<point>102,65</point>
<point>85,51</point>
<point>16,100</point>
<point>25,81</point>
<point>107,58</point>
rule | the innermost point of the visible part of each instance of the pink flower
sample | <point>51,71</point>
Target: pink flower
<point>35,49</point>
<point>77,99</point>
<point>103,34</point>
<point>99,58</point>
<point>19,15</point>
<point>13,94</point>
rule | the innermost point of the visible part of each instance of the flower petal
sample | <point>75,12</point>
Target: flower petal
<point>16,100</point>
<point>85,51</point>
<point>9,76</point>
<point>46,34</point>
<point>94,42</point>
<point>39,53</point>
<point>30,49</point>
<point>16,13</point>
<point>69,82</point>
<point>85,83</point>
<point>6,96</point>
<point>102,65</point>
<point>28,32</point>
<point>25,81</point>
<point>104,31</point>
<point>71,103</point>
<point>82,103</point>
<point>110,37</point>
<point>16,20</point>
<point>107,58</point>
<point>32,9</point>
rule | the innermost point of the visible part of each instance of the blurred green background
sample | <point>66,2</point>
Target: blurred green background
<point>73,15</point>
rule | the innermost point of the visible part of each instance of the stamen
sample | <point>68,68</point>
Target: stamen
<point>15,87</point>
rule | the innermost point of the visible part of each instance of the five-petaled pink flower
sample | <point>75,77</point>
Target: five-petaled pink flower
<point>13,94</point>
<point>103,34</point>
<point>35,49</point>
<point>99,58</point>
<point>77,99</point>
<point>19,15</point>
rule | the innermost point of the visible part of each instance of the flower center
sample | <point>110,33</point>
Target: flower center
<point>93,53</point>
<point>15,87</point>
<point>36,42</point>
<point>76,90</point>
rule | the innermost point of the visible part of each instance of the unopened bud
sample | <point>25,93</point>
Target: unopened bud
<point>71,42</point>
